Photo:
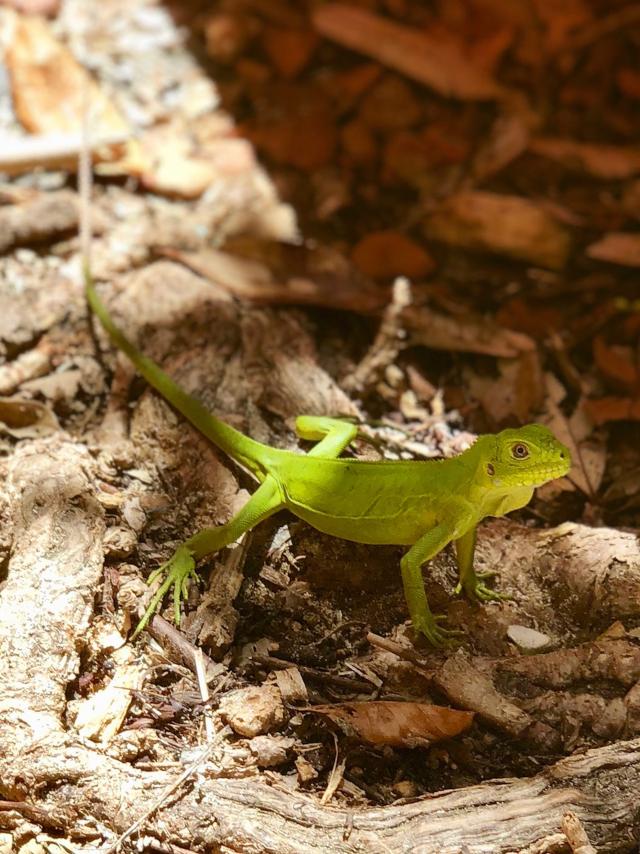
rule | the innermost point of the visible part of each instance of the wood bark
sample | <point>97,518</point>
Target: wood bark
<point>46,605</point>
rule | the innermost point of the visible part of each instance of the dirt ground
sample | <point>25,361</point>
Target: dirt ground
<point>422,216</point>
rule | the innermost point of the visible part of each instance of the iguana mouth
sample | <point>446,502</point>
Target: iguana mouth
<point>545,472</point>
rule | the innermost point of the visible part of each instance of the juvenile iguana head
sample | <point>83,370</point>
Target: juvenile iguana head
<point>526,456</point>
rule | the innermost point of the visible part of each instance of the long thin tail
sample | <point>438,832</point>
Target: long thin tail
<point>249,453</point>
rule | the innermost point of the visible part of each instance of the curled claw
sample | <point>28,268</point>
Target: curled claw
<point>178,569</point>
<point>484,594</point>
<point>437,635</point>
<point>476,590</point>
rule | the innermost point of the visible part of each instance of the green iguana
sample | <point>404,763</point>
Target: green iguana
<point>421,504</point>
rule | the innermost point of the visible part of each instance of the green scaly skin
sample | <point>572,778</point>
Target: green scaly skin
<point>421,504</point>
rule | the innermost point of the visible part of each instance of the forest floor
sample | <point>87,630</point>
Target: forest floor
<point>420,215</point>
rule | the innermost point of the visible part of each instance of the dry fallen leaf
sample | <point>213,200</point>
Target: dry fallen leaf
<point>469,334</point>
<point>602,410</point>
<point>610,162</point>
<point>502,225</point>
<point>419,55</point>
<point>617,248</point>
<point>48,85</point>
<point>589,457</point>
<point>617,364</point>
<point>50,89</point>
<point>269,272</point>
<point>387,254</point>
<point>26,419</point>
<point>516,393</point>
<point>396,723</point>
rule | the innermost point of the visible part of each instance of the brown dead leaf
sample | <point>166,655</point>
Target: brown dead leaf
<point>289,50</point>
<point>399,724</point>
<point>533,319</point>
<point>49,88</point>
<point>269,272</point>
<point>609,162</point>
<point>390,104</point>
<point>358,143</point>
<point>419,55</point>
<point>386,254</point>
<point>507,140</point>
<point>588,456</point>
<point>503,225</point>
<point>26,419</point>
<point>48,85</point>
<point>617,364</point>
<point>306,140</point>
<point>516,394</point>
<point>466,334</point>
<point>560,20</point>
<point>618,248</point>
<point>628,80</point>
<point>603,410</point>
<point>347,87</point>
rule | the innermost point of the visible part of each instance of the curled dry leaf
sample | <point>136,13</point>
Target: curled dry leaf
<point>26,419</point>
<point>617,364</point>
<point>467,334</point>
<point>610,162</point>
<point>422,56</point>
<point>502,225</point>
<point>396,723</point>
<point>270,272</point>
<point>517,392</point>
<point>48,85</point>
<point>386,254</point>
<point>617,247</point>
<point>602,410</point>
<point>588,455</point>
<point>49,88</point>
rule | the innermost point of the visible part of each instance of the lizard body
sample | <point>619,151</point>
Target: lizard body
<point>421,504</point>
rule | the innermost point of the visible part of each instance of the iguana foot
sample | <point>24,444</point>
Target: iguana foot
<point>178,569</point>
<point>485,594</point>
<point>437,635</point>
<point>476,590</point>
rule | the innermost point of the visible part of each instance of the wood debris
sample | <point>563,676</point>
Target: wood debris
<point>484,152</point>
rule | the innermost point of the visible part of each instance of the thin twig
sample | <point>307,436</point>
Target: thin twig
<point>188,772</point>
<point>204,695</point>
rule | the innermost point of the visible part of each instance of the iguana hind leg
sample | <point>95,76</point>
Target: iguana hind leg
<point>264,502</point>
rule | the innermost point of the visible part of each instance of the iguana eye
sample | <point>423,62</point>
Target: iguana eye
<point>520,451</point>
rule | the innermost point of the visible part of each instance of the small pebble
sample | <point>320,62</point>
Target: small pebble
<point>528,639</point>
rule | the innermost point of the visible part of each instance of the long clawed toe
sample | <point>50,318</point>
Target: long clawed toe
<point>485,594</point>
<point>437,635</point>
<point>177,571</point>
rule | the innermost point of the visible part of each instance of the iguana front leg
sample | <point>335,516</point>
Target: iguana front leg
<point>332,434</point>
<point>470,580</point>
<point>423,619</point>
<point>264,502</point>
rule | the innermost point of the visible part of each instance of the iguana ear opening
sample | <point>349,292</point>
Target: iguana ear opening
<point>490,469</point>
